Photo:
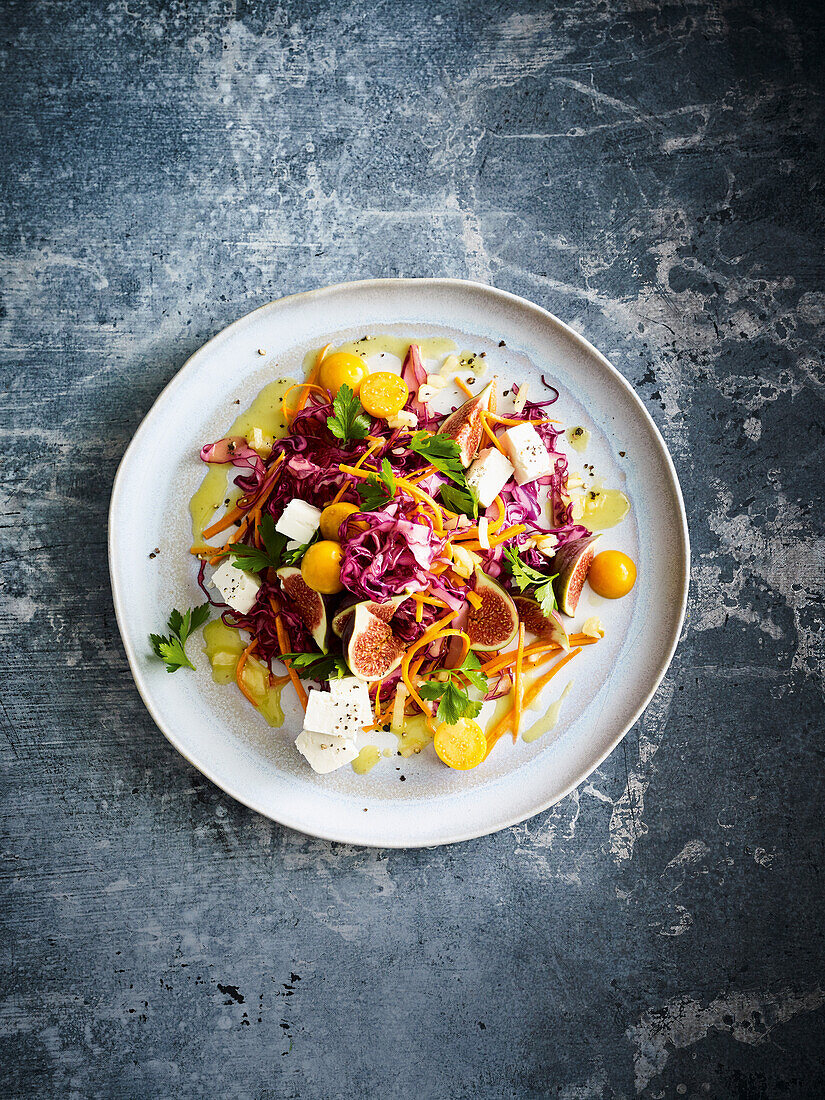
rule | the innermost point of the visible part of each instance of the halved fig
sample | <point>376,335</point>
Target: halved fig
<point>547,627</point>
<point>495,623</point>
<point>571,564</point>
<point>370,647</point>
<point>309,604</point>
<point>384,611</point>
<point>464,425</point>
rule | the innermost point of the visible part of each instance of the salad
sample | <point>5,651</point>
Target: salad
<point>409,574</point>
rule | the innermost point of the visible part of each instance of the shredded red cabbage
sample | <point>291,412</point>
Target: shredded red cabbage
<point>394,553</point>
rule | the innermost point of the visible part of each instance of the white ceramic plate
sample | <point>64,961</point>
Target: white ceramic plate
<point>215,729</point>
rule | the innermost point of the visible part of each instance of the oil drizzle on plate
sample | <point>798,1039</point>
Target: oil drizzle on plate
<point>578,438</point>
<point>366,759</point>
<point>264,413</point>
<point>604,508</point>
<point>434,347</point>
<point>547,721</point>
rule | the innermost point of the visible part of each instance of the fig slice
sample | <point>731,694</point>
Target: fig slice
<point>384,611</point>
<point>371,648</point>
<point>571,564</point>
<point>309,604</point>
<point>464,425</point>
<point>495,623</point>
<point>546,627</point>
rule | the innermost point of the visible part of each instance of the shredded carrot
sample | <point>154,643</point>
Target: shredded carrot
<point>428,636</point>
<point>544,680</point>
<point>517,685</point>
<point>231,516</point>
<point>419,474</point>
<point>311,380</point>
<point>413,491</point>
<point>462,385</point>
<point>472,532</point>
<point>369,451</point>
<point>283,645</point>
<point>501,536</point>
<point>407,673</point>
<point>504,660</point>
<point>239,512</point>
<point>253,645</point>
<point>419,610</point>
<point>304,387</point>
<point>473,599</point>
<point>491,435</point>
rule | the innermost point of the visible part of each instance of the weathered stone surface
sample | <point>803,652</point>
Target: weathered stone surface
<point>651,173</point>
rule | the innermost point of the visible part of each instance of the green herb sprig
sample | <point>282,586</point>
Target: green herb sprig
<point>526,578</point>
<point>442,452</point>
<point>318,666</point>
<point>273,555</point>
<point>454,701</point>
<point>348,420</point>
<point>378,490</point>
<point>180,626</point>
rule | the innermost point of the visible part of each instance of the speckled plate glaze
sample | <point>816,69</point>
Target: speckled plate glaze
<point>224,738</point>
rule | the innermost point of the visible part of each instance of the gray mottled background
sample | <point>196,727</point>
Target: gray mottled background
<point>653,173</point>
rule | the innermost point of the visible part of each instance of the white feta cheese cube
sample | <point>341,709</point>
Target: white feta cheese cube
<point>529,456</point>
<point>238,589</point>
<point>325,752</point>
<point>299,521</point>
<point>489,474</point>
<point>353,697</point>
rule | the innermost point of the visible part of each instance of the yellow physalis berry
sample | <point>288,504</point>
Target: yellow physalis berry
<point>321,567</point>
<point>462,745</point>
<point>333,516</point>
<point>612,574</point>
<point>384,393</point>
<point>343,368</point>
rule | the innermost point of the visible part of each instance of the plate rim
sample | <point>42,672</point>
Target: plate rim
<point>190,364</point>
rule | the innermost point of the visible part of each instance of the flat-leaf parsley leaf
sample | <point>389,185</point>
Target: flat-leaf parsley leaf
<point>526,577</point>
<point>180,626</point>
<point>378,490</point>
<point>348,421</point>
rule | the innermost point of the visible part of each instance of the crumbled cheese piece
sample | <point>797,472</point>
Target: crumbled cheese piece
<point>238,589</point>
<point>402,419</point>
<point>334,721</point>
<point>546,544</point>
<point>436,381</point>
<point>520,399</point>
<point>349,689</point>
<point>489,474</point>
<point>426,393</point>
<point>593,627</point>
<point>462,562</point>
<point>574,480</point>
<point>260,442</point>
<point>299,521</point>
<point>529,456</point>
<point>450,365</point>
<point>483,533</point>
